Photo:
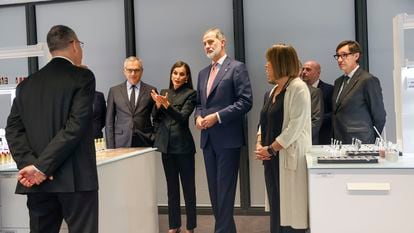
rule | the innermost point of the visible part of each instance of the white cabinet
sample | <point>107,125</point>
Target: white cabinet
<point>127,194</point>
<point>361,198</point>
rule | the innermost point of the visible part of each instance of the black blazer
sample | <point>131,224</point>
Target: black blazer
<point>325,133</point>
<point>359,108</point>
<point>49,126</point>
<point>99,112</point>
<point>173,135</point>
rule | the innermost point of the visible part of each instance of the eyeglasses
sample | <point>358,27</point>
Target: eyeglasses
<point>81,44</point>
<point>133,70</point>
<point>342,56</point>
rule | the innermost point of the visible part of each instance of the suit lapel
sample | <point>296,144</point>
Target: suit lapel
<point>142,92</point>
<point>352,82</point>
<point>124,94</point>
<point>223,70</point>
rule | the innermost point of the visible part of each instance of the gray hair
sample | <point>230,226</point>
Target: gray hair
<point>219,33</point>
<point>132,59</point>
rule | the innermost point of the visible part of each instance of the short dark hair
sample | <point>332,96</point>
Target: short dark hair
<point>189,82</point>
<point>353,46</point>
<point>59,37</point>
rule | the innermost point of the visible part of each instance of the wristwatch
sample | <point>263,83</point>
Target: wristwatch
<point>271,151</point>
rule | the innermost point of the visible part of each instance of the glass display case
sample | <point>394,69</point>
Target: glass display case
<point>403,82</point>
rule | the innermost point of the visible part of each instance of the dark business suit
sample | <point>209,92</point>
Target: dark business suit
<point>99,112</point>
<point>358,109</point>
<point>325,133</point>
<point>174,140</point>
<point>123,121</point>
<point>231,97</point>
<point>317,112</point>
<point>49,126</point>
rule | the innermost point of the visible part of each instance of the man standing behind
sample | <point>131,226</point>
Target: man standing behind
<point>50,135</point>
<point>99,112</point>
<point>311,72</point>
<point>129,107</point>
<point>357,98</point>
<point>224,96</point>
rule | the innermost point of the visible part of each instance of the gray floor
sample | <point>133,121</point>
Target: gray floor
<point>205,224</point>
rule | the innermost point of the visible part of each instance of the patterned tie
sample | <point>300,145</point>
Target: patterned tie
<point>213,74</point>
<point>132,97</point>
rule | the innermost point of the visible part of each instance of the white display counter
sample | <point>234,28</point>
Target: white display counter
<point>127,193</point>
<point>360,198</point>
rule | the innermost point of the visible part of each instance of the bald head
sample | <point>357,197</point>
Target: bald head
<point>311,71</point>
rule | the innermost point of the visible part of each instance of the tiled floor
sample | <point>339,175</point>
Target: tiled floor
<point>205,224</point>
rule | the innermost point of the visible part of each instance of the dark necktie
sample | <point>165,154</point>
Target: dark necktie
<point>344,85</point>
<point>132,97</point>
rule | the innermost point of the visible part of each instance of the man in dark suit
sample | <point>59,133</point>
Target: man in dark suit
<point>51,139</point>
<point>311,72</point>
<point>357,98</point>
<point>129,107</point>
<point>99,112</point>
<point>224,96</point>
<point>317,112</point>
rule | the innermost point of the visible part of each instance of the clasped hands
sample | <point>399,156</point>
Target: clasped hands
<point>29,176</point>
<point>207,121</point>
<point>262,153</point>
<point>160,100</point>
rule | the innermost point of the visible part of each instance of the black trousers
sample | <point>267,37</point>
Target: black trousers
<point>180,167</point>
<point>78,209</point>
<point>271,172</point>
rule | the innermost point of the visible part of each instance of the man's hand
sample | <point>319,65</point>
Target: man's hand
<point>209,121</point>
<point>199,121</point>
<point>29,176</point>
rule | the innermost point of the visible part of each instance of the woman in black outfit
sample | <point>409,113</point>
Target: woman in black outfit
<point>174,140</point>
<point>283,138</point>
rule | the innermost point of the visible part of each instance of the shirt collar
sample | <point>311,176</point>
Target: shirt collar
<point>220,61</point>
<point>67,59</point>
<point>129,85</point>
<point>316,83</point>
<point>351,74</point>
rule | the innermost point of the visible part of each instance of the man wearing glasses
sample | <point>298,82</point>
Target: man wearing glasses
<point>357,98</point>
<point>129,107</point>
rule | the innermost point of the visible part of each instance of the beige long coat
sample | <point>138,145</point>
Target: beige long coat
<point>296,139</point>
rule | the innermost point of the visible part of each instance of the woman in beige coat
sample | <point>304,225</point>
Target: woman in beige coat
<point>283,138</point>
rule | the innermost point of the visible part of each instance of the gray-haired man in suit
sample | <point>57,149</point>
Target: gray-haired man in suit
<point>357,98</point>
<point>224,96</point>
<point>129,107</point>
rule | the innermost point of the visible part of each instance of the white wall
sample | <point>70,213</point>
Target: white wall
<point>102,31</point>
<point>381,60</point>
<point>174,32</point>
